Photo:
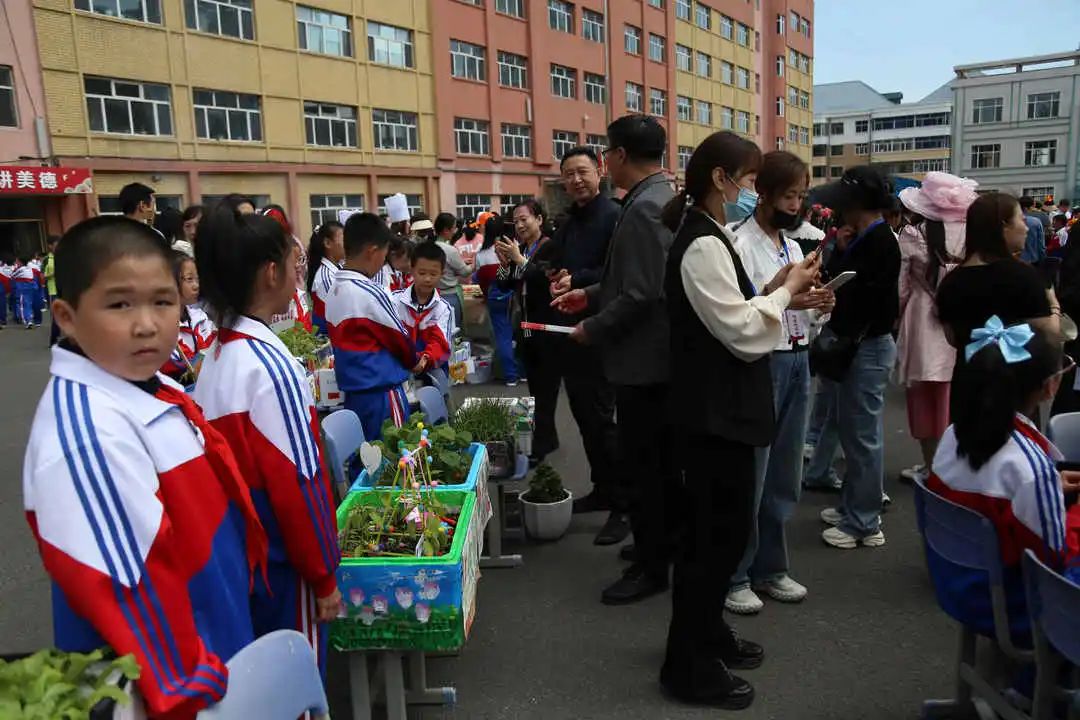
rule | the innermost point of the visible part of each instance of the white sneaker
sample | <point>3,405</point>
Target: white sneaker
<point>807,452</point>
<point>839,539</point>
<point>743,601</point>
<point>915,472</point>
<point>782,588</point>
<point>832,516</point>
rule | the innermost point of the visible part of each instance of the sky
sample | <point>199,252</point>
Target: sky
<point>911,46</point>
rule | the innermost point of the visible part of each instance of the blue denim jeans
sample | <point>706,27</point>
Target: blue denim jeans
<point>778,472</point>
<point>860,417</point>
<point>823,434</point>
<point>503,335</point>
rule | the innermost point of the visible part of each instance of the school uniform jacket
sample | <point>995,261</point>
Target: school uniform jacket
<point>23,277</point>
<point>197,334</point>
<point>372,347</point>
<point>254,391</point>
<point>145,549</point>
<point>320,291</point>
<point>6,272</point>
<point>430,326</point>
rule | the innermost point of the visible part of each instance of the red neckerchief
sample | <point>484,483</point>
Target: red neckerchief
<point>1032,434</point>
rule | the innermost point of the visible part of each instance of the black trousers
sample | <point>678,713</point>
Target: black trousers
<point>718,482</point>
<point>553,361</point>
<point>649,487</point>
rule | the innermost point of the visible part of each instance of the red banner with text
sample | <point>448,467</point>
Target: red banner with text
<point>16,180</point>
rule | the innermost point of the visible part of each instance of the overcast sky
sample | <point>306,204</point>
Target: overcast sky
<point>911,46</point>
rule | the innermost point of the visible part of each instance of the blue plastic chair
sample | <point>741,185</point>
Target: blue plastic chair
<point>1064,431</point>
<point>342,437</point>
<point>274,677</point>
<point>966,538</point>
<point>439,379</point>
<point>432,405</point>
<point>1052,603</point>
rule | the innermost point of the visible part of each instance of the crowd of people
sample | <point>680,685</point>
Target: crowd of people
<point>721,334</point>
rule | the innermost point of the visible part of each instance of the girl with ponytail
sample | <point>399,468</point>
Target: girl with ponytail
<point>326,252</point>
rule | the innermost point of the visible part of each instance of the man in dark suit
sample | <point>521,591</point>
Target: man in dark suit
<point>628,322</point>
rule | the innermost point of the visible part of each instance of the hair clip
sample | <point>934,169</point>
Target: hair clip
<point>1010,340</point>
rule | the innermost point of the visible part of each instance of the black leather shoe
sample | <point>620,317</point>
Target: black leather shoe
<point>744,655</point>
<point>634,585</point>
<point>615,530</point>
<point>628,553</point>
<point>732,694</point>
<point>593,502</point>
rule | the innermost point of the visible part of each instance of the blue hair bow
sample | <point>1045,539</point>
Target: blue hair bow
<point>1010,340</point>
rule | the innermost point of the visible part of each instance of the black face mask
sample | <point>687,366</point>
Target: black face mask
<point>784,221</point>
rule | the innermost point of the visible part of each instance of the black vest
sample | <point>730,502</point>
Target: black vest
<point>712,391</point>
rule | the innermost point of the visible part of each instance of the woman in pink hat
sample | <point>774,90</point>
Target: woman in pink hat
<point>929,248</point>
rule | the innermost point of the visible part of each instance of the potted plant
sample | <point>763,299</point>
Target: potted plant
<point>490,421</point>
<point>546,507</point>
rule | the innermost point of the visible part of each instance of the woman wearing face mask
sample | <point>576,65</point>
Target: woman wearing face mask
<point>722,331</point>
<point>764,249</point>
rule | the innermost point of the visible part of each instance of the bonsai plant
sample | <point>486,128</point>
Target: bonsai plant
<point>492,422</point>
<point>546,507</point>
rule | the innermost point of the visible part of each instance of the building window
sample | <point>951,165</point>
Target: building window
<point>128,108</point>
<point>413,203</point>
<point>727,72</point>
<point>727,118</point>
<point>395,130</point>
<point>683,109</point>
<point>324,32</point>
<point>742,35</point>
<point>657,4</point>
<point>563,81</point>
<point>657,48</point>
<point>932,165</point>
<point>779,24</point>
<point>389,45</point>
<point>932,119</point>
<point>727,27</point>
<point>561,16</point>
<point>1040,152</point>
<point>516,140</point>
<point>632,40</point>
<point>891,146</point>
<point>986,156</point>
<point>514,8</point>
<point>704,65</point>
<point>792,96</point>
<point>562,141</point>
<point>657,102</point>
<point>1040,192</point>
<point>702,16</point>
<point>634,97</point>
<point>513,70</point>
<point>862,126</point>
<point>821,150</point>
<point>221,115</point>
<point>779,107</point>
<point>509,201</point>
<point>470,206</point>
<point>595,88</point>
<point>467,61</point>
<point>704,112</point>
<point>836,128</point>
<point>598,143</point>
<point>818,171</point>
<point>325,208</point>
<point>682,9</point>
<point>793,134</point>
<point>592,25</point>
<point>141,10</point>
<point>860,148</point>
<point>779,66</point>
<point>742,78</point>
<point>804,26</point>
<point>794,21</point>
<point>804,136</point>
<point>804,99</point>
<point>1043,105</point>
<point>9,117</point>
<point>835,150</point>
<point>330,125</point>
<point>836,171</point>
<point>682,58</point>
<point>685,151</point>
<point>932,142</point>
<point>742,121</point>
<point>471,137</point>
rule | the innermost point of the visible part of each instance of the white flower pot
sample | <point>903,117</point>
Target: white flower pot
<point>547,521</point>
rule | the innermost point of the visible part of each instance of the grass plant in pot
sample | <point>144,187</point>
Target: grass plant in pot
<point>492,422</point>
<point>546,507</point>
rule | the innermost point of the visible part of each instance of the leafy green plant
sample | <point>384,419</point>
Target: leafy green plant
<point>486,419</point>
<point>448,461</point>
<point>545,486</point>
<point>300,342</point>
<point>53,684</point>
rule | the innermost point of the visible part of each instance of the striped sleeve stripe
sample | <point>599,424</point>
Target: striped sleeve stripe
<point>1054,498</point>
<point>1049,512</point>
<point>111,542</point>
<point>384,303</point>
<point>1040,496</point>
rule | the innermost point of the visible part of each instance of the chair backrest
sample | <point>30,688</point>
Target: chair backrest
<point>440,381</point>
<point>274,677</point>
<point>1052,603</point>
<point>432,405</point>
<point>342,435</point>
<point>1064,431</point>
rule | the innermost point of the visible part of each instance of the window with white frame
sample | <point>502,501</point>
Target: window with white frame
<point>1043,105</point>
<point>704,65</point>
<point>986,110</point>
<point>635,100</point>
<point>598,143</point>
<point>141,10</point>
<point>514,8</point>
<point>325,208</point>
<point>516,140</point>
<point>933,142</point>
<point>780,107</point>
<point>470,205</point>
<point>592,25</point>
<point>222,115</point>
<point>804,63</point>
<point>793,133</point>
<point>742,121</point>
<point>9,116</point>
<point>682,9</point>
<point>794,24</point>
<point>779,66</point>
<point>727,117</point>
<point>330,125</point>
<point>986,156</point>
<point>804,26</point>
<point>595,88</point>
<point>1040,152</point>
<point>232,18</point>
<point>804,99</point>
<point>792,96</point>
<point>563,81</point>
<point>685,151</point>
<point>324,32</point>
<point>742,78</point>
<point>124,107</point>
<point>1039,192</point>
<point>511,200</point>
<point>860,148</point>
<point>561,16</point>
<point>931,165</point>
<point>414,203</point>
<point>657,4</point>
<point>727,27</point>
<point>632,39</point>
<point>780,24</point>
<point>704,112</point>
<point>793,58</point>
<point>861,126</point>
<point>395,130</point>
<point>390,45</point>
<point>513,70</point>
<point>892,146</point>
<point>702,16</point>
<point>836,171</point>
<point>562,141</point>
<point>836,128</point>
<point>657,48</point>
<point>683,108</point>
<point>471,136</point>
<point>742,35</point>
<point>804,135</point>
<point>468,61</point>
<point>727,72</point>
<point>682,58</point>
<point>779,145</point>
<point>657,102</point>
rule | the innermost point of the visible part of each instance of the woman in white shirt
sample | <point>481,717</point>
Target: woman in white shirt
<point>764,249</point>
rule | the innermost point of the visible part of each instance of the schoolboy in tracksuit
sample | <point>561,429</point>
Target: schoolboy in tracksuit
<point>26,293</point>
<point>427,317</point>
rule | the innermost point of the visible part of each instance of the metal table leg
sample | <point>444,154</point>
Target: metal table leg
<point>418,693</point>
<point>360,686</point>
<point>395,686</point>
<point>495,557</point>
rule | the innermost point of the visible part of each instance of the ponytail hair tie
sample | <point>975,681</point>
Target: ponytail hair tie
<point>1010,340</point>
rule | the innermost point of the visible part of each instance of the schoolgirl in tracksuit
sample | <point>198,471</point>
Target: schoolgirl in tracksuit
<point>5,291</point>
<point>197,334</point>
<point>41,299</point>
<point>326,251</point>
<point>26,293</point>
<point>429,325</point>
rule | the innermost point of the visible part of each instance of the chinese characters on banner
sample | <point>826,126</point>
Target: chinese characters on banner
<point>15,180</point>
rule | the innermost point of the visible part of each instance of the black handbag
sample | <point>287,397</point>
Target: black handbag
<point>831,354</point>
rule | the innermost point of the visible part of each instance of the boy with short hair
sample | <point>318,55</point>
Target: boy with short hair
<point>428,318</point>
<point>373,352</point>
<point>140,514</point>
